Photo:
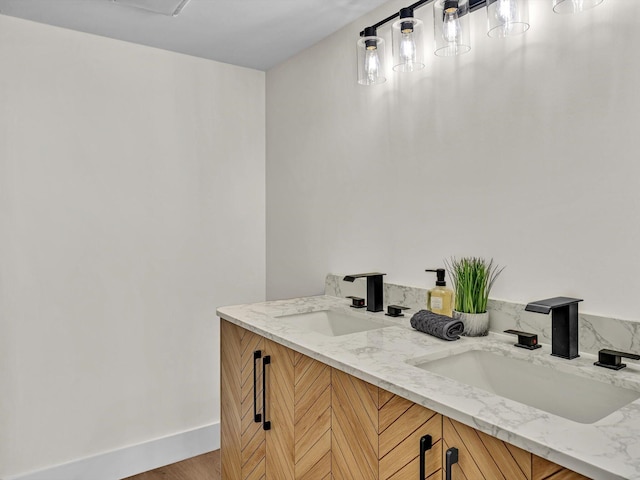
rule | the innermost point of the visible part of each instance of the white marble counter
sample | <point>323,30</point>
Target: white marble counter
<point>607,449</point>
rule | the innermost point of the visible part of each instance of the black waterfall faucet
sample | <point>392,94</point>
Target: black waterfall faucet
<point>374,289</point>
<point>564,324</point>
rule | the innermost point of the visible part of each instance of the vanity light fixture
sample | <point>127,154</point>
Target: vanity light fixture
<point>451,32</point>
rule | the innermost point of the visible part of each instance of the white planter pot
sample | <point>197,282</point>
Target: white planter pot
<point>475,324</point>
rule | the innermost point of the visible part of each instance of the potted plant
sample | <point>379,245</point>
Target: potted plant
<point>472,279</point>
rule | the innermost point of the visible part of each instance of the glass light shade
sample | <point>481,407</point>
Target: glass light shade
<point>451,27</point>
<point>507,17</point>
<point>371,69</point>
<point>408,45</point>
<point>574,6</point>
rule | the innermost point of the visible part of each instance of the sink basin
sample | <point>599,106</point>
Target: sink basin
<point>570,396</point>
<point>332,323</point>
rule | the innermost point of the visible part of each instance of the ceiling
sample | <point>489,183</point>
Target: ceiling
<point>251,33</point>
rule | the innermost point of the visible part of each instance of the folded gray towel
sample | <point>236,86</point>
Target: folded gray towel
<point>440,326</point>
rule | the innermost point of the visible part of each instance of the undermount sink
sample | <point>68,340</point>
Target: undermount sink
<point>570,396</point>
<point>332,323</point>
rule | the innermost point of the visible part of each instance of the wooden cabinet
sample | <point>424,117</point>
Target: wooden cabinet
<point>276,410</point>
<point>286,416</point>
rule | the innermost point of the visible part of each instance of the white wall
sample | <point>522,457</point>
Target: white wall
<point>525,150</point>
<point>131,206</point>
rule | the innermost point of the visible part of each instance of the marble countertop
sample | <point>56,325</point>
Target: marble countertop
<point>607,449</point>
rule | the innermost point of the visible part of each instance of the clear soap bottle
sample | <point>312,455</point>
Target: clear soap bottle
<point>440,297</point>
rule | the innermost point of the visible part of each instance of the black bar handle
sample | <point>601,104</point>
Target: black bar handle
<point>257,418</point>
<point>612,359</point>
<point>451,458</point>
<point>266,424</point>
<point>426,443</point>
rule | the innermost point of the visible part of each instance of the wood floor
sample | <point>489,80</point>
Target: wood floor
<point>202,467</point>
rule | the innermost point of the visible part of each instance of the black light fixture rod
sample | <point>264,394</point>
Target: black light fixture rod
<point>476,4</point>
<point>473,6</point>
<point>397,15</point>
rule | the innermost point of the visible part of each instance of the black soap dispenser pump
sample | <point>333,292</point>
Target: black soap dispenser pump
<point>440,298</point>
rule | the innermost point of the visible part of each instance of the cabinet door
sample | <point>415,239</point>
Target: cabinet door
<point>279,411</point>
<point>253,436</point>
<point>230,401</point>
<point>483,457</point>
<point>297,443</point>
<point>298,407</point>
<point>354,448</point>
<point>546,470</point>
<point>242,440</point>
<point>312,419</point>
<point>402,425</point>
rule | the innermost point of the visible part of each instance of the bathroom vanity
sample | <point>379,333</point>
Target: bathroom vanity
<point>312,389</point>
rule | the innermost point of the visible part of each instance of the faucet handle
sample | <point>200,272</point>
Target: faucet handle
<point>525,339</point>
<point>612,359</point>
<point>395,310</point>
<point>356,302</point>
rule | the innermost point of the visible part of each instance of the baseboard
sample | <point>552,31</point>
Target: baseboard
<point>134,459</point>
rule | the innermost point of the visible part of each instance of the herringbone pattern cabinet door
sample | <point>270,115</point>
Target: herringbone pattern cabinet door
<point>298,406</point>
<point>402,424</point>
<point>354,443</point>
<point>280,439</point>
<point>312,419</point>
<point>482,457</point>
<point>230,399</point>
<point>253,436</point>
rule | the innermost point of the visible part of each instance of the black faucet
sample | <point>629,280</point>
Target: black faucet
<point>374,289</point>
<point>564,324</point>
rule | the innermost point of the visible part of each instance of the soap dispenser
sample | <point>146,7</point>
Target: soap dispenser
<point>440,298</point>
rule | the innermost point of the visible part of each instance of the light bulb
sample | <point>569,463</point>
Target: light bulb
<point>372,64</point>
<point>506,12</point>
<point>451,28</point>
<point>408,47</point>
